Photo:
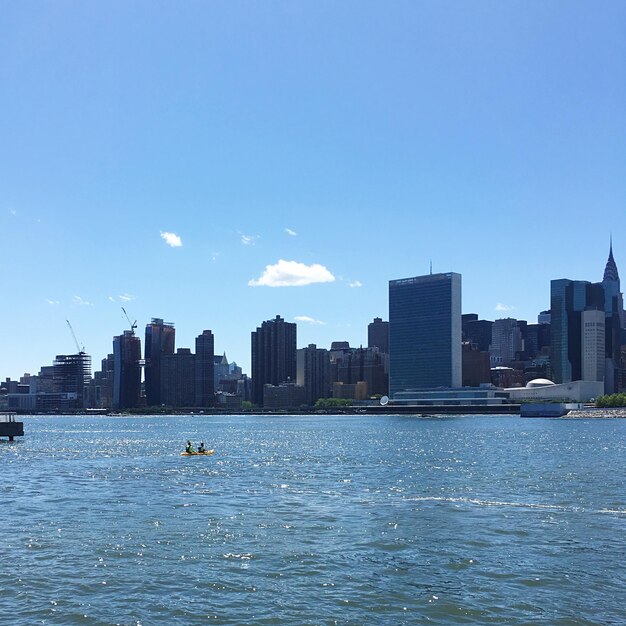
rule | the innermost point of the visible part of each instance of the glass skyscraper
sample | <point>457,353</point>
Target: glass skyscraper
<point>425,332</point>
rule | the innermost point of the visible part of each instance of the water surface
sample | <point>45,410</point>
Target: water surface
<point>314,520</point>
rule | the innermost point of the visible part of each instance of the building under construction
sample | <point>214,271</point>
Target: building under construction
<point>71,375</point>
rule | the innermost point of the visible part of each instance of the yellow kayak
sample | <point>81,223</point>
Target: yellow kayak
<point>205,453</point>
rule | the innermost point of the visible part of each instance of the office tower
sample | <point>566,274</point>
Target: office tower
<point>506,341</point>
<point>273,347</point>
<point>313,372</point>
<point>569,299</point>
<point>543,317</point>
<point>477,332</point>
<point>476,365</point>
<point>205,384</point>
<point>178,378</point>
<point>537,338</point>
<point>425,332</point>
<point>378,335</point>
<point>71,375</point>
<point>614,312</point>
<point>127,370</point>
<point>160,340</point>
<point>592,345</point>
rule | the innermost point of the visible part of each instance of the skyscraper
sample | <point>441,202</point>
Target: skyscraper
<point>160,340</point>
<point>378,335</point>
<point>71,375</point>
<point>205,384</point>
<point>273,355</point>
<point>614,322</point>
<point>178,382</point>
<point>313,372</point>
<point>425,332</point>
<point>569,299</point>
<point>126,370</point>
<point>506,341</point>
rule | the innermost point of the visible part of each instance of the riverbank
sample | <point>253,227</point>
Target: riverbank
<point>374,409</point>
<point>593,412</point>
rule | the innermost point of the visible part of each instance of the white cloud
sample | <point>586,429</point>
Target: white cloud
<point>292,274</point>
<point>52,302</point>
<point>126,297</point>
<point>214,256</point>
<point>78,300</point>
<point>503,307</point>
<point>293,233</point>
<point>172,239</point>
<point>249,240</point>
<point>111,298</point>
<point>308,320</point>
<point>355,283</point>
<point>12,211</point>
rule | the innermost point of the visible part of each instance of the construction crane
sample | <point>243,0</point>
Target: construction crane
<point>80,350</point>
<point>133,325</point>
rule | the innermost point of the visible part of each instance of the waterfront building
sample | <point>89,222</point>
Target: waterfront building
<point>273,351</point>
<point>127,371</point>
<point>160,342</point>
<point>378,335</point>
<point>204,370</point>
<point>313,372</point>
<point>542,390</point>
<point>178,388</point>
<point>425,332</point>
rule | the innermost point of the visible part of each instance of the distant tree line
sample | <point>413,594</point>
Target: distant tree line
<point>611,401</point>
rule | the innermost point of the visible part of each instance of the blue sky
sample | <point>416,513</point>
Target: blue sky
<point>340,144</point>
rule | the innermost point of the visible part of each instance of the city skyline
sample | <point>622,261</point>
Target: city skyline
<point>183,181</point>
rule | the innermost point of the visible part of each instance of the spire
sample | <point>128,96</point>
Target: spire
<point>610,271</point>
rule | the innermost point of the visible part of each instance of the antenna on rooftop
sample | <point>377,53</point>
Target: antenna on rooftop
<point>431,267</point>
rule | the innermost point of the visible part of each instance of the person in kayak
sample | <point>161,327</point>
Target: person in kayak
<point>201,447</point>
<point>189,448</point>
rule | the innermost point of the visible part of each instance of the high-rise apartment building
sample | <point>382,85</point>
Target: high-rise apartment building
<point>178,381</point>
<point>204,373</point>
<point>378,335</point>
<point>425,332</point>
<point>273,355</point>
<point>160,341</point>
<point>127,370</point>
<point>313,372</point>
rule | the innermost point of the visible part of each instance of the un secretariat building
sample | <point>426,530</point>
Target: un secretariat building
<point>425,332</point>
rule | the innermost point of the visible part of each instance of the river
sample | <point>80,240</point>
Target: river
<point>307,520</point>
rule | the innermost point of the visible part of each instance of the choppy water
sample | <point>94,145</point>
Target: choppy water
<point>314,520</point>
